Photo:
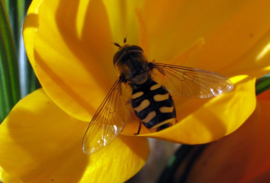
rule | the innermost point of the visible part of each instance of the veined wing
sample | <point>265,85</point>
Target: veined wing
<point>107,123</point>
<point>191,82</point>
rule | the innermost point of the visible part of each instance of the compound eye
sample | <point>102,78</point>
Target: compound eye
<point>117,56</point>
<point>125,50</point>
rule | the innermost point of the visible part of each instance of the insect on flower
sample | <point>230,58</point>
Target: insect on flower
<point>152,85</point>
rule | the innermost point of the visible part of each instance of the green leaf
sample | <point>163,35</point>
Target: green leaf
<point>8,63</point>
<point>17,11</point>
<point>5,98</point>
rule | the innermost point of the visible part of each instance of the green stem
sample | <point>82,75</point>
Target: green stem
<point>263,84</point>
<point>182,160</point>
<point>177,159</point>
<point>9,56</point>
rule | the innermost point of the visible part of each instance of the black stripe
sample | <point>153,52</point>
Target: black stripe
<point>154,105</point>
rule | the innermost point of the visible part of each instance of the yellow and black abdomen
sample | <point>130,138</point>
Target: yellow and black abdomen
<point>153,105</point>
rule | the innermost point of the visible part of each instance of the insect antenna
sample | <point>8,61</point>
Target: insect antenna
<point>118,45</point>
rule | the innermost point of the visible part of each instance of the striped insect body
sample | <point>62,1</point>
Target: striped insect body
<point>151,99</point>
<point>153,105</point>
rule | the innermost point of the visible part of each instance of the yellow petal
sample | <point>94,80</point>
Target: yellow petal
<point>123,20</point>
<point>30,28</point>
<point>235,33</point>
<point>77,81</point>
<point>41,143</point>
<point>201,121</point>
<point>68,53</point>
<point>232,48</point>
<point>8,178</point>
<point>69,49</point>
<point>240,157</point>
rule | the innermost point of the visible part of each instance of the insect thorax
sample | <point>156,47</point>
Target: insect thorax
<point>134,68</point>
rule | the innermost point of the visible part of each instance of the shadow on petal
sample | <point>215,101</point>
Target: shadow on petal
<point>41,143</point>
<point>47,149</point>
<point>214,118</point>
<point>72,97</point>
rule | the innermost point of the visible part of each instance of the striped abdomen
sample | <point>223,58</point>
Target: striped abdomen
<point>153,105</point>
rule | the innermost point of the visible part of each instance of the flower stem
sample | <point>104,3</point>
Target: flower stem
<point>180,164</point>
<point>263,84</point>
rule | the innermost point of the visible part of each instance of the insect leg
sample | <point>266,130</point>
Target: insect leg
<point>139,129</point>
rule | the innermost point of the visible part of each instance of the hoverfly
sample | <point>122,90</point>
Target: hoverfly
<point>151,99</point>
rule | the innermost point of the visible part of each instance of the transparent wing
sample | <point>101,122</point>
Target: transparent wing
<point>190,82</point>
<point>107,122</point>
